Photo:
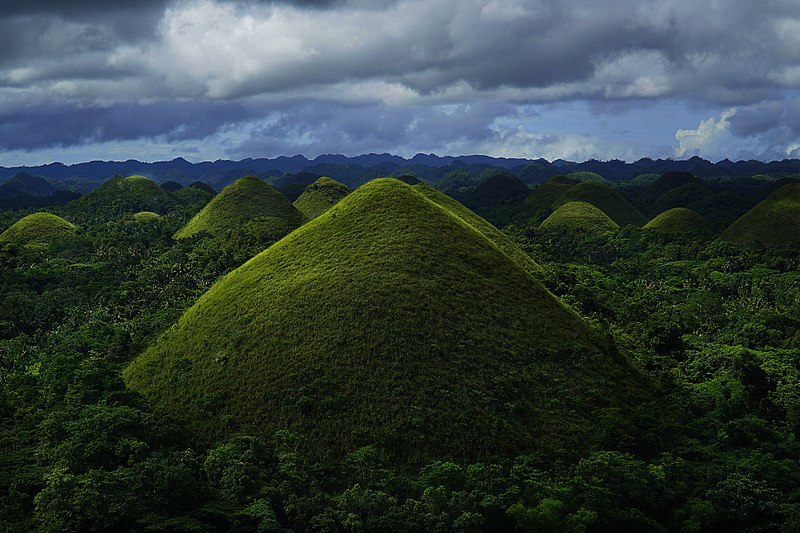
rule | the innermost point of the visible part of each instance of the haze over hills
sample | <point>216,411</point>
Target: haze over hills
<point>354,171</point>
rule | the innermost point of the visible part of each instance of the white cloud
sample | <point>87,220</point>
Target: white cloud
<point>709,139</point>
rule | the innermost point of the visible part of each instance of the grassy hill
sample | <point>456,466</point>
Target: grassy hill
<point>545,195</point>
<point>119,196</point>
<point>388,320</point>
<point>38,228</point>
<point>580,217</point>
<point>244,200</point>
<point>145,216</point>
<point>680,221</point>
<point>773,222</point>
<point>321,196</point>
<point>609,201</point>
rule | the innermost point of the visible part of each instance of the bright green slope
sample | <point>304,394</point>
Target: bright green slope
<point>580,217</point>
<point>126,195</point>
<point>387,320</point>
<point>145,216</point>
<point>38,228</point>
<point>497,237</point>
<point>680,221</point>
<point>244,200</point>
<point>774,222</point>
<point>321,196</point>
<point>609,201</point>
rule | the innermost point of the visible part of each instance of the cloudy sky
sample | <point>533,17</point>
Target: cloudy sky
<point>577,79</point>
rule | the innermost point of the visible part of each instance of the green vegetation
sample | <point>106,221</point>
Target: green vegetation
<point>680,221</point>
<point>122,196</point>
<point>145,216</point>
<point>320,196</point>
<point>421,380</point>
<point>544,196</point>
<point>609,201</point>
<point>247,199</point>
<point>773,222</point>
<point>580,218</point>
<point>323,334</point>
<point>38,228</point>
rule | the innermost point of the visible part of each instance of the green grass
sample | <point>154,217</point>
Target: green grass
<point>145,216</point>
<point>321,196</point>
<point>38,228</point>
<point>581,218</point>
<point>244,200</point>
<point>546,194</point>
<point>388,320</point>
<point>609,201</point>
<point>774,222</point>
<point>680,221</point>
<point>119,196</point>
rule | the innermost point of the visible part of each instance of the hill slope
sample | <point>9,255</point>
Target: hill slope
<point>387,320</point>
<point>244,200</point>
<point>321,196</point>
<point>680,221</point>
<point>580,217</point>
<point>609,201</point>
<point>119,196</point>
<point>773,222</point>
<point>38,228</point>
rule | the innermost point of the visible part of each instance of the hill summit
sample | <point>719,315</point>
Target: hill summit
<point>245,200</point>
<point>680,221</point>
<point>773,222</point>
<point>321,196</point>
<point>38,228</point>
<point>388,320</point>
<point>609,201</point>
<point>582,218</point>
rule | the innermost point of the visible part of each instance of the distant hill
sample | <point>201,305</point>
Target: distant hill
<point>320,196</point>
<point>145,216</point>
<point>388,320</point>
<point>609,201</point>
<point>245,200</point>
<point>544,196</point>
<point>773,222</point>
<point>38,228</point>
<point>581,218</point>
<point>123,196</point>
<point>496,188</point>
<point>26,190</point>
<point>680,221</point>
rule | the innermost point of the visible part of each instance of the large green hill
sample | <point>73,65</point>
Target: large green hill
<point>38,228</point>
<point>609,201</point>
<point>245,200</point>
<point>388,320</point>
<point>321,196</point>
<point>582,218</point>
<point>680,221</point>
<point>773,222</point>
<point>545,195</point>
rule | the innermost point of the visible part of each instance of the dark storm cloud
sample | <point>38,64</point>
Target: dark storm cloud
<point>51,125</point>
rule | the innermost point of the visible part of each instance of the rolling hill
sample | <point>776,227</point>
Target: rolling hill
<point>245,200</point>
<point>320,196</point>
<point>38,228</point>
<point>680,221</point>
<point>121,196</point>
<point>773,222</point>
<point>581,218</point>
<point>388,320</point>
<point>609,201</point>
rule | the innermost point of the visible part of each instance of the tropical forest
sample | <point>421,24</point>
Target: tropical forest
<point>387,344</point>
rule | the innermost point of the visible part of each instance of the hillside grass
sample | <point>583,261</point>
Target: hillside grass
<point>321,196</point>
<point>581,218</point>
<point>388,320</point>
<point>680,221</point>
<point>145,216</point>
<point>38,228</point>
<point>609,201</point>
<point>774,222</point>
<point>244,200</point>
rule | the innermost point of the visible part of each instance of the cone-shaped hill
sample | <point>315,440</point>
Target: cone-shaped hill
<point>38,228</point>
<point>321,196</point>
<point>773,222</point>
<point>245,200</point>
<point>145,216</point>
<point>119,196</point>
<point>609,201</point>
<point>581,218</point>
<point>680,221</point>
<point>387,320</point>
<point>547,193</point>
